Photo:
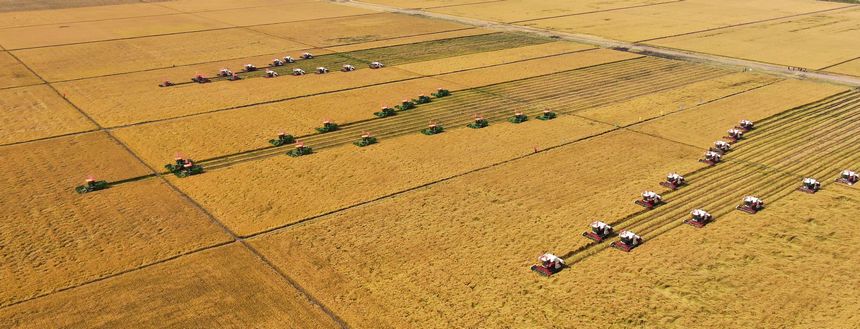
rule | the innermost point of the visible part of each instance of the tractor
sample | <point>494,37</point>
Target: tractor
<point>745,125</point>
<point>250,67</point>
<point>734,135</point>
<point>200,79</point>
<point>649,200</point>
<point>321,70</point>
<point>289,59</point>
<point>91,185</point>
<point>711,158</point>
<point>366,139</point>
<point>298,72</point>
<point>432,129</point>
<point>479,123</point>
<point>547,115</point>
<point>441,93</point>
<point>328,126</point>
<point>751,205</point>
<point>628,240</point>
<point>810,185</point>
<point>166,83</point>
<point>347,68</point>
<point>283,139</point>
<point>518,117</point>
<point>376,65</point>
<point>406,105</point>
<point>183,168</point>
<point>599,231</point>
<point>699,218</point>
<point>307,56</point>
<point>848,177</point>
<point>548,264</point>
<point>673,181</point>
<point>422,99</point>
<point>385,112</point>
<point>300,150</point>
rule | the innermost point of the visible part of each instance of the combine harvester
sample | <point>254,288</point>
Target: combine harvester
<point>673,181</point>
<point>548,264</point>
<point>376,65</point>
<point>721,147</point>
<point>734,135</point>
<point>199,78</point>
<point>250,68</point>
<point>518,117</point>
<point>321,70</point>
<point>289,59</point>
<point>347,68</point>
<point>277,62</point>
<point>298,72</point>
<point>599,231</point>
<point>283,139</point>
<point>848,177</point>
<point>547,115</point>
<point>328,126</point>
<point>183,167</point>
<point>751,205</point>
<point>300,150</point>
<point>225,72</point>
<point>307,56</point>
<point>441,92</point>
<point>712,158</point>
<point>432,129</point>
<point>699,218</point>
<point>366,139</point>
<point>271,74</point>
<point>649,200</point>
<point>405,105</point>
<point>91,185</point>
<point>166,83</point>
<point>810,185</point>
<point>479,122</point>
<point>422,100</point>
<point>628,240</point>
<point>745,126</point>
<point>385,112</point>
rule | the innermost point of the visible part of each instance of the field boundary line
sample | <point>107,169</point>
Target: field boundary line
<point>596,11</point>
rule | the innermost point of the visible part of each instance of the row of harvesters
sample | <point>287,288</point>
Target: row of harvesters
<point>519,117</point>
<point>408,104</point>
<point>270,72</point>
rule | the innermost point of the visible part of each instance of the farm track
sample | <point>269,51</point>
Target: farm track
<point>769,173</point>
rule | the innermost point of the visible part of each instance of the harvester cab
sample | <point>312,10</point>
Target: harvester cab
<point>321,70</point>
<point>289,59</point>
<point>699,218</point>
<point>518,117</point>
<point>300,150</point>
<point>307,56</point>
<point>751,205</point>
<point>734,135</point>
<point>365,140</point>
<point>298,71</point>
<point>166,83</point>
<point>406,105</point>
<point>271,74</point>
<point>599,231</point>
<point>200,79</point>
<point>376,65</point>
<point>91,185</point>
<point>711,158</point>
<point>848,177</point>
<point>422,99</point>
<point>347,68</point>
<point>250,67</point>
<point>183,167</point>
<point>328,126</point>
<point>810,185</point>
<point>547,115</point>
<point>627,241</point>
<point>649,200</point>
<point>745,125</point>
<point>548,264</point>
<point>277,62</point>
<point>282,139</point>
<point>721,147</point>
<point>432,129</point>
<point>385,112</point>
<point>225,73</point>
<point>479,122</point>
<point>673,181</point>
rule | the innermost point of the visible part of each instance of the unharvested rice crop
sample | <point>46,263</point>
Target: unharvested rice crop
<point>423,3</point>
<point>301,11</point>
<point>14,74</point>
<point>71,15</point>
<point>55,238</point>
<point>36,112</point>
<point>850,68</point>
<point>222,287</point>
<point>514,11</point>
<point>42,5</point>
<point>410,39</point>
<point>212,5</point>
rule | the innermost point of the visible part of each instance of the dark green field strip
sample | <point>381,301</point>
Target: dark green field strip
<point>765,168</point>
<point>401,54</point>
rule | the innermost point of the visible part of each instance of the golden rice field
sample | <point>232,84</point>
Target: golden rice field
<point>424,229</point>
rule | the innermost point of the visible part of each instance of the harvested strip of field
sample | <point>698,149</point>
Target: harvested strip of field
<point>301,11</point>
<point>295,189</point>
<point>358,29</point>
<point>705,124</point>
<point>645,23</point>
<point>813,41</point>
<point>69,33</point>
<point>411,39</point>
<point>70,15</point>
<point>14,74</point>
<point>54,238</point>
<point>250,128</point>
<point>222,287</point>
<point>471,61</point>
<point>679,99</point>
<point>850,68</point>
<point>119,56</point>
<point>510,11</point>
<point>502,217</point>
<point>36,112</point>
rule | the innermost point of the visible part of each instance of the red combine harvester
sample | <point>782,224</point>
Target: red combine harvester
<point>751,205</point>
<point>650,200</point>
<point>721,147</point>
<point>810,185</point>
<point>848,177</point>
<point>673,181</point>
<point>599,231</point>
<point>745,125</point>
<point>711,158</point>
<point>734,135</point>
<point>200,79</point>
<point>166,83</point>
<point>628,241</point>
<point>699,218</point>
<point>548,265</point>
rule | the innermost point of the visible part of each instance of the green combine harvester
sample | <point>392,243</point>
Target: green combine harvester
<point>432,129</point>
<point>422,100</point>
<point>441,93</point>
<point>92,185</point>
<point>183,168</point>
<point>547,115</point>
<point>283,139</point>
<point>406,105</point>
<point>328,126</point>
<point>385,112</point>
<point>479,123</point>
<point>366,139</point>
<point>300,150</point>
<point>518,117</point>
